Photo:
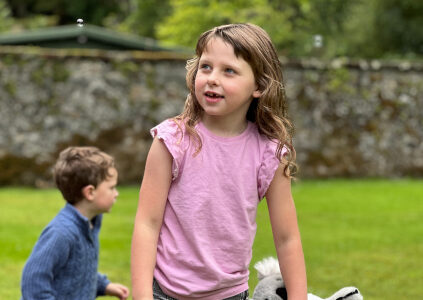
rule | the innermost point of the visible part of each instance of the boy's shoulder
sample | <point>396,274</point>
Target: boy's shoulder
<point>56,237</point>
<point>59,225</point>
<point>67,223</point>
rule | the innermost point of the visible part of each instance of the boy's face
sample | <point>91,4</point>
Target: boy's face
<point>106,193</point>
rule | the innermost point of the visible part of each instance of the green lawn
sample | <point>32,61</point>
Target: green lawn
<point>366,233</point>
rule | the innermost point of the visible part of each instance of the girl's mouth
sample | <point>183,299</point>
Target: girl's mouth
<point>213,97</point>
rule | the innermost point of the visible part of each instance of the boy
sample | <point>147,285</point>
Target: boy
<point>63,263</point>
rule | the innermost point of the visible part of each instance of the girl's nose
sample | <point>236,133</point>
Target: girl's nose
<point>213,79</point>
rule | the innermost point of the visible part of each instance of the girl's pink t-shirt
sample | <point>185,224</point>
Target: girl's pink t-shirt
<point>209,225</point>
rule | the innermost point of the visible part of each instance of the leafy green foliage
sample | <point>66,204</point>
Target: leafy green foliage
<point>291,24</point>
<point>5,16</point>
<point>143,17</point>
<point>92,11</point>
<point>179,28</point>
<point>399,26</point>
<point>353,28</point>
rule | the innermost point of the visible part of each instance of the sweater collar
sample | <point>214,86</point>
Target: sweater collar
<point>83,222</point>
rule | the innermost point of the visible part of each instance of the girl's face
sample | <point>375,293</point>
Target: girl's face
<point>224,84</point>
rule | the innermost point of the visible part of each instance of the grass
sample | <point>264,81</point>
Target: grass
<point>366,233</point>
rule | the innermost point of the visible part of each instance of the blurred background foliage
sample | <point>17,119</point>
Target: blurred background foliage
<point>353,28</point>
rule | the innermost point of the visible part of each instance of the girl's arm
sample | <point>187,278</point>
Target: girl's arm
<point>286,235</point>
<point>148,221</point>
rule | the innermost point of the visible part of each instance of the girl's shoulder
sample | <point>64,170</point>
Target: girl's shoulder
<point>172,127</point>
<point>268,146</point>
<point>272,146</point>
<point>172,133</point>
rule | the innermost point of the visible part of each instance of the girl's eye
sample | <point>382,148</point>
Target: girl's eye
<point>230,71</point>
<point>205,67</point>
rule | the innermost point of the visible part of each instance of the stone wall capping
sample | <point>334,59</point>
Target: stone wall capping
<point>94,53</point>
<point>363,64</point>
<point>307,63</point>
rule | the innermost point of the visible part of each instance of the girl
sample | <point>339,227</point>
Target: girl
<point>207,170</point>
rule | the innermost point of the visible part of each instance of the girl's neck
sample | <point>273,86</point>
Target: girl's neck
<point>224,127</point>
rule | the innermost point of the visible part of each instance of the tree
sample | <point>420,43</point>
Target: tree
<point>399,26</point>
<point>92,11</point>
<point>354,28</point>
<point>5,16</point>
<point>190,18</point>
<point>384,28</point>
<point>290,23</point>
<point>144,16</point>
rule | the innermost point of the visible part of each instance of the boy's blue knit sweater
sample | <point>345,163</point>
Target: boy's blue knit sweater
<point>63,263</point>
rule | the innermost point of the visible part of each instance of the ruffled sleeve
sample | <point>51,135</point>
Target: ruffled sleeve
<point>268,167</point>
<point>173,136</point>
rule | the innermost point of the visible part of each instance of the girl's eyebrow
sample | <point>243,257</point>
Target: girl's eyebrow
<point>231,66</point>
<point>202,61</point>
<point>224,64</point>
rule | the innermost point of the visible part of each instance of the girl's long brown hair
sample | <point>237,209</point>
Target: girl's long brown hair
<point>269,112</point>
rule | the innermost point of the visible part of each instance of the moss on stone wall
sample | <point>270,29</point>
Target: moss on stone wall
<point>339,80</point>
<point>10,88</point>
<point>60,72</point>
<point>17,170</point>
<point>127,68</point>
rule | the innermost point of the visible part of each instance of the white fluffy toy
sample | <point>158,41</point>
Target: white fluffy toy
<point>272,287</point>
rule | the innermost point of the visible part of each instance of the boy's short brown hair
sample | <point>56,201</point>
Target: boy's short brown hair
<point>78,167</point>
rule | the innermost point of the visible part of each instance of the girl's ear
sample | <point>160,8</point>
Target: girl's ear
<point>256,94</point>
<point>88,192</point>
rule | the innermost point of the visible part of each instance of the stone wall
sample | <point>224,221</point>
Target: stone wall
<point>353,119</point>
<point>357,119</point>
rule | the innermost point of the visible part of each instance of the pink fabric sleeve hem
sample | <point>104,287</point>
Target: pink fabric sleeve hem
<point>268,167</point>
<point>170,134</point>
